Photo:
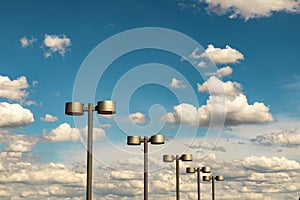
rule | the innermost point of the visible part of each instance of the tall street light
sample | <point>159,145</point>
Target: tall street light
<point>171,158</point>
<point>76,108</point>
<point>213,178</point>
<point>137,140</point>
<point>198,170</point>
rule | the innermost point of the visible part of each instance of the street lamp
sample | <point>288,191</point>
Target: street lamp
<point>137,140</point>
<point>76,108</point>
<point>198,170</point>
<point>213,178</point>
<point>171,158</point>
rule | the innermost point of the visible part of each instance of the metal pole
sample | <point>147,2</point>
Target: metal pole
<point>177,177</point>
<point>198,182</point>
<point>213,187</point>
<point>90,153</point>
<point>145,168</point>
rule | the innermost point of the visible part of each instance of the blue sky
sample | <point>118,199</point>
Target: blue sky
<point>238,65</point>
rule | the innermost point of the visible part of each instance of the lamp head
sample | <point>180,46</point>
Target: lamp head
<point>134,140</point>
<point>106,107</point>
<point>205,169</point>
<point>168,158</point>
<point>74,108</point>
<point>186,157</point>
<point>220,178</point>
<point>206,178</point>
<point>157,139</point>
<point>190,170</point>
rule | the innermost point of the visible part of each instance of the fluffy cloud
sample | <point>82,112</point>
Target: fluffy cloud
<point>98,133</point>
<point>63,132</point>
<point>137,118</point>
<point>221,56</point>
<point>216,87</point>
<point>252,8</point>
<point>235,105</point>
<point>55,43</point>
<point>25,42</point>
<point>270,164</point>
<point>16,144</point>
<point>285,138</point>
<point>177,84</point>
<point>49,118</point>
<point>225,71</point>
<point>13,89</point>
<point>14,115</point>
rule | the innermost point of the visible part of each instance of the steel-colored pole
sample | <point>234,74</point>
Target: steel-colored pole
<point>177,177</point>
<point>213,187</point>
<point>146,168</point>
<point>90,153</point>
<point>198,182</point>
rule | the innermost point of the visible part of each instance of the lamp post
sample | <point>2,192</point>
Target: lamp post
<point>76,108</point>
<point>137,140</point>
<point>198,170</point>
<point>171,158</point>
<point>213,178</point>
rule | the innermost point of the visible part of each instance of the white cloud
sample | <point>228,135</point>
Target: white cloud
<point>137,118</point>
<point>204,144</point>
<point>225,71</point>
<point>285,138</point>
<point>63,132</point>
<point>98,133</point>
<point>274,163</point>
<point>49,118</point>
<point>221,56</point>
<point>14,115</point>
<point>222,72</point>
<point>30,103</point>
<point>13,89</point>
<point>55,43</point>
<point>215,87</point>
<point>177,84</point>
<point>25,42</point>
<point>235,105</point>
<point>252,8</point>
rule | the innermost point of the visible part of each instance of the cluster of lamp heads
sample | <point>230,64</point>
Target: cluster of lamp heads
<point>137,140</point>
<point>108,107</point>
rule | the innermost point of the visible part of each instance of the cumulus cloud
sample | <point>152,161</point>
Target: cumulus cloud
<point>263,164</point>
<point>55,43</point>
<point>63,132</point>
<point>225,98</point>
<point>225,71</point>
<point>284,138</point>
<point>16,144</point>
<point>137,118</point>
<point>13,89</point>
<point>25,42</point>
<point>49,118</point>
<point>98,133</point>
<point>222,72</point>
<point>216,87</point>
<point>252,8</point>
<point>14,115</point>
<point>177,84</point>
<point>221,56</point>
